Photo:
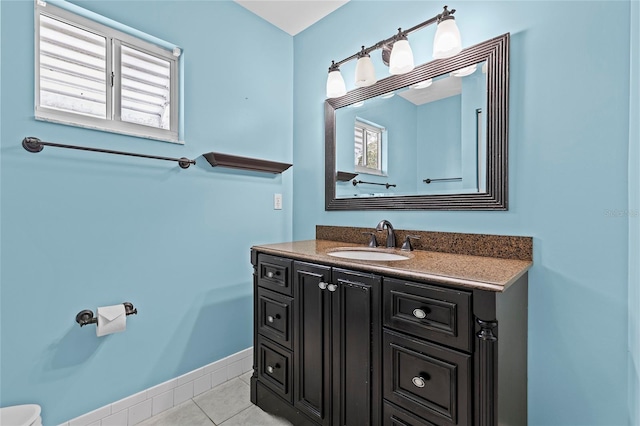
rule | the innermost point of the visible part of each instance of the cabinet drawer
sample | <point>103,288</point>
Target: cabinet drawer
<point>428,380</point>
<point>275,369</point>
<point>396,416</point>
<point>435,313</point>
<point>274,273</point>
<point>274,317</point>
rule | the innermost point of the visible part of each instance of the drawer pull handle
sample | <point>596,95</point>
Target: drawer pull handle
<point>271,369</point>
<point>419,313</point>
<point>269,274</point>
<point>272,318</point>
<point>322,285</point>
<point>418,381</point>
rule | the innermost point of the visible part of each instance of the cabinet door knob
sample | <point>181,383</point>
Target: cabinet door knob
<point>322,285</point>
<point>269,274</point>
<point>332,287</point>
<point>271,318</point>
<point>418,381</point>
<point>271,369</point>
<point>419,313</point>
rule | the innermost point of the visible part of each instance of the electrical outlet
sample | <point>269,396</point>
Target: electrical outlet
<point>277,201</point>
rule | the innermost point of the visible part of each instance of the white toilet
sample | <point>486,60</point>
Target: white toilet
<point>21,415</point>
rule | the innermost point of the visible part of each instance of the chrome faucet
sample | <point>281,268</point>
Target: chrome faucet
<point>391,237</point>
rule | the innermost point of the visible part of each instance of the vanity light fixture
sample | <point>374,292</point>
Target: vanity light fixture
<point>335,82</point>
<point>401,61</point>
<point>423,84</point>
<point>463,72</point>
<point>365,73</point>
<point>446,43</point>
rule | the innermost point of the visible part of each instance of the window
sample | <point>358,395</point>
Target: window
<point>91,75</point>
<point>368,147</point>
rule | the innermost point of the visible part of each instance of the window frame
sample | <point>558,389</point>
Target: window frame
<point>381,131</point>
<point>114,40</point>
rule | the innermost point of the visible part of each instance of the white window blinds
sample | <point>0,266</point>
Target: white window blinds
<point>72,69</point>
<point>91,75</point>
<point>146,82</point>
<point>368,147</point>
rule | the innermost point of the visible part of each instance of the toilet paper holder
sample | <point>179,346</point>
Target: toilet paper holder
<point>86,316</point>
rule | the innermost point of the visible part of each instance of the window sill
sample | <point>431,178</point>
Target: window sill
<point>122,128</point>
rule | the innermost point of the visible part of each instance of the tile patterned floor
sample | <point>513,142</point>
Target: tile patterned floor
<point>225,405</point>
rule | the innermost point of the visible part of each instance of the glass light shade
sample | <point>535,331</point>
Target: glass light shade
<point>463,72</point>
<point>423,84</point>
<point>401,60</point>
<point>447,42</point>
<point>335,85</point>
<point>365,73</point>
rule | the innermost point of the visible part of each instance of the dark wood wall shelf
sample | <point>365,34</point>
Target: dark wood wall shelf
<point>345,176</point>
<point>217,159</point>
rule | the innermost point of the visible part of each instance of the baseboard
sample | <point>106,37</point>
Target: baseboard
<point>150,402</point>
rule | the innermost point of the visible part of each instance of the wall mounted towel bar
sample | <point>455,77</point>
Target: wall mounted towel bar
<point>387,185</point>
<point>32,144</point>
<point>86,316</point>
<point>442,180</point>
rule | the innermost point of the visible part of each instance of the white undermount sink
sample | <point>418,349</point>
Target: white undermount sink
<point>363,254</point>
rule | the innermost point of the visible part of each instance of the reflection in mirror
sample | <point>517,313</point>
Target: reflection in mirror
<point>427,138</point>
<point>435,138</point>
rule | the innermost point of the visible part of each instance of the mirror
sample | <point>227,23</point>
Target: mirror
<point>401,145</point>
<point>423,139</point>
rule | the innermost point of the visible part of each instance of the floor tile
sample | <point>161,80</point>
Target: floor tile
<point>187,413</point>
<point>246,377</point>
<point>224,401</point>
<point>253,416</point>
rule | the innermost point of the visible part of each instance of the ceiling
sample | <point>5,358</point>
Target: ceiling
<point>440,89</point>
<point>291,16</point>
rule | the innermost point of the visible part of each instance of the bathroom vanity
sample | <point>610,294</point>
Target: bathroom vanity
<point>434,339</point>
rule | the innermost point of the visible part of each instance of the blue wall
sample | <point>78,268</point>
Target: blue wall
<point>398,117</point>
<point>81,230</point>
<point>439,153</point>
<point>634,220</point>
<point>569,140</point>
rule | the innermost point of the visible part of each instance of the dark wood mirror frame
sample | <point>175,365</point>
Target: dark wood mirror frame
<point>496,52</point>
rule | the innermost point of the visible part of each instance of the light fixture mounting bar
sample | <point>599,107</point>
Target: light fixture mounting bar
<point>394,38</point>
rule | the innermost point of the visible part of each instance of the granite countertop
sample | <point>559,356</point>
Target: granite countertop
<point>486,273</point>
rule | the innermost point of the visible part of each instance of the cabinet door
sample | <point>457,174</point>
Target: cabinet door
<point>428,380</point>
<point>312,344</point>
<point>356,348</point>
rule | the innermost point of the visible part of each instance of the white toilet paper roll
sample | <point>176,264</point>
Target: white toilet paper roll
<point>111,319</point>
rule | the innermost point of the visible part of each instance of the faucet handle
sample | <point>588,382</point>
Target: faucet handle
<point>372,239</point>
<point>406,246</point>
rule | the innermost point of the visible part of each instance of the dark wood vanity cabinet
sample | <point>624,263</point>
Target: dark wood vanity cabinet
<point>345,347</point>
<point>336,347</point>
